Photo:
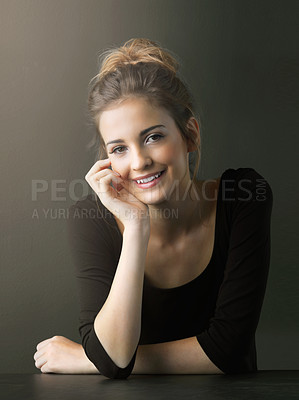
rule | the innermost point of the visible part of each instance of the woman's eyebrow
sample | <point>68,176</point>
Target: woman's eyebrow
<point>142,133</point>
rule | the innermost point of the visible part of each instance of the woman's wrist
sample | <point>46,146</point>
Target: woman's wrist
<point>139,228</point>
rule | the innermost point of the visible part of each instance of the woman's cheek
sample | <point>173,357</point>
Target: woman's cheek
<point>121,169</point>
<point>167,156</point>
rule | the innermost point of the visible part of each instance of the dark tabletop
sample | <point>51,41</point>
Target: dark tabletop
<point>262,385</point>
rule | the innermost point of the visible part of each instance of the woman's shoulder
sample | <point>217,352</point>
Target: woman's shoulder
<point>231,178</point>
<point>84,205</point>
<point>238,173</point>
<point>89,206</point>
<point>245,191</point>
<point>88,211</point>
<point>244,182</point>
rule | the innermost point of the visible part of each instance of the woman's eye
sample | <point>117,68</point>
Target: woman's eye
<point>155,135</point>
<point>118,150</point>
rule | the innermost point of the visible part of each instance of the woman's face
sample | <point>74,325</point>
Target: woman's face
<point>142,140</point>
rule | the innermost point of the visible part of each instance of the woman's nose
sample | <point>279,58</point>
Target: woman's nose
<point>140,159</point>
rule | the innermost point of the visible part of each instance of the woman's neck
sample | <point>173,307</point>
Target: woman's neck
<point>177,218</point>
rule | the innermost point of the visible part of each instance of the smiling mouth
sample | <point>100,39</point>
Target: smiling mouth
<point>152,182</point>
<point>150,179</point>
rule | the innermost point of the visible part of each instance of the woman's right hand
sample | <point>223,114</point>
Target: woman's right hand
<point>126,207</point>
<point>61,355</point>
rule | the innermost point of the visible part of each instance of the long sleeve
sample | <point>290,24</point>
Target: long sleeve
<point>229,340</point>
<point>95,247</point>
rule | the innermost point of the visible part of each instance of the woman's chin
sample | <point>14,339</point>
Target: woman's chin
<point>151,199</point>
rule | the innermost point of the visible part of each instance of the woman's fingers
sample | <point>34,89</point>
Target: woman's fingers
<point>98,166</point>
<point>40,362</point>
<point>100,182</point>
<point>97,177</point>
<point>63,356</point>
<point>102,179</point>
<point>45,368</point>
<point>110,188</point>
<point>39,354</point>
<point>40,358</point>
<point>43,344</point>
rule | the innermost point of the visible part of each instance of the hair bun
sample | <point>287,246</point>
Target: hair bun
<point>135,51</point>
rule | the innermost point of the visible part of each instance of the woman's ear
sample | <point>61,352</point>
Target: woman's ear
<point>193,128</point>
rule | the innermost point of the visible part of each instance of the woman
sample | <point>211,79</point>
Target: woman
<point>172,272</point>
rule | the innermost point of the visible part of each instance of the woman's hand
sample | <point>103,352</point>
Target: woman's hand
<point>60,355</point>
<point>126,207</point>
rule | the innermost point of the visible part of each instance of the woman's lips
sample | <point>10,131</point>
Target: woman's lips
<point>150,184</point>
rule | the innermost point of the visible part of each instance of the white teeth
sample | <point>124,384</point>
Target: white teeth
<point>149,179</point>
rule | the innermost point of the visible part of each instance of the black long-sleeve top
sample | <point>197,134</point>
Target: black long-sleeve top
<point>221,306</point>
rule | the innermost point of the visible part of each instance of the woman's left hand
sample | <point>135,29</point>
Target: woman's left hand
<point>60,355</point>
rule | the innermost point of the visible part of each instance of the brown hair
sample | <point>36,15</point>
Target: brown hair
<point>142,68</point>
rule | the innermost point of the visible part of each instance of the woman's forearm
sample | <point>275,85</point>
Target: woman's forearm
<point>118,324</point>
<point>89,368</point>
<point>184,356</point>
<point>84,365</point>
